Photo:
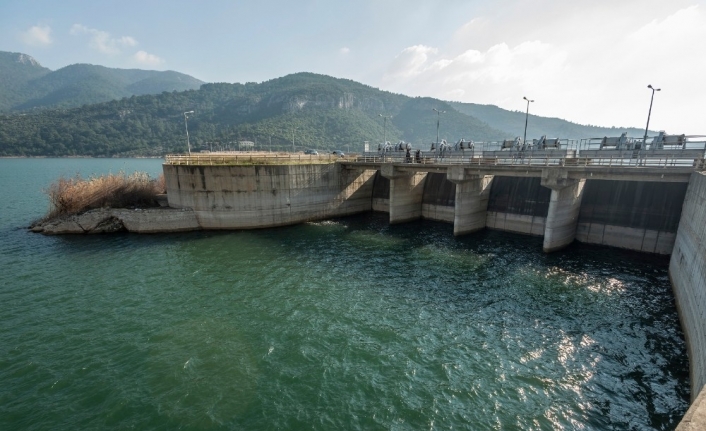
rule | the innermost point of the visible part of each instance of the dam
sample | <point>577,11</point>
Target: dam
<point>648,202</point>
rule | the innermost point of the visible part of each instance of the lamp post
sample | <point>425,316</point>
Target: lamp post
<point>644,140</point>
<point>186,125</point>
<point>438,119</point>
<point>524,138</point>
<point>384,127</point>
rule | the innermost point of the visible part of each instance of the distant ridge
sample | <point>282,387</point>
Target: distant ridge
<point>26,85</point>
<point>514,121</point>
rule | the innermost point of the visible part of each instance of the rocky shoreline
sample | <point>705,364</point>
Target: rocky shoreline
<point>109,220</point>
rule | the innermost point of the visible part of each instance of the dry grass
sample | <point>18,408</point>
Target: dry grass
<point>76,195</point>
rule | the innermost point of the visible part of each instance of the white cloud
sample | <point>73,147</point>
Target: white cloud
<point>588,62</point>
<point>410,63</point>
<point>345,50</point>
<point>102,41</point>
<point>38,35</point>
<point>147,59</point>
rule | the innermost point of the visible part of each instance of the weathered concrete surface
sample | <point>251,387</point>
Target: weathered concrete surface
<point>635,215</point>
<point>645,240</point>
<point>527,224</point>
<point>438,212</point>
<point>438,202</point>
<point>563,213</point>
<point>406,193</point>
<point>472,194</point>
<point>248,197</point>
<point>687,271</point>
<point>151,220</point>
<point>695,417</point>
<point>518,205</point>
<point>382,205</point>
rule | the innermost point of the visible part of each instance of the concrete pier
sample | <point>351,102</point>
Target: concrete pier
<point>564,206</point>
<point>406,193</point>
<point>472,192</point>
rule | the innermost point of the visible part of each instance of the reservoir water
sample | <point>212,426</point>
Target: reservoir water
<point>343,324</point>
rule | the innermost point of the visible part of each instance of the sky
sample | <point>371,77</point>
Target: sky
<point>587,61</point>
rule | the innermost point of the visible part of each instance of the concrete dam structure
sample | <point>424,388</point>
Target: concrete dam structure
<point>654,209</point>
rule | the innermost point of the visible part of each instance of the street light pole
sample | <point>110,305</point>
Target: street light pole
<point>186,125</point>
<point>644,140</point>
<point>524,138</point>
<point>438,119</point>
<point>384,127</point>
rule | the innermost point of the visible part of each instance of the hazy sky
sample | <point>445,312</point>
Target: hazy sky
<point>587,61</point>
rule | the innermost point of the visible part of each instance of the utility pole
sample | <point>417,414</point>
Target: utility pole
<point>524,138</point>
<point>186,125</point>
<point>438,119</point>
<point>644,140</point>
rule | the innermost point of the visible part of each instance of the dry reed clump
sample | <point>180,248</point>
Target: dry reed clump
<point>69,196</point>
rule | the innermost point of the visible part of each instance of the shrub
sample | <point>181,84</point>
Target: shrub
<point>76,195</point>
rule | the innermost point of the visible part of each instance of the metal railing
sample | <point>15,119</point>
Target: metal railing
<point>686,159</point>
<point>669,143</point>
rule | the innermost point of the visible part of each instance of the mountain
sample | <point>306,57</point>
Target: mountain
<point>314,111</point>
<point>16,70</point>
<point>302,110</point>
<point>26,85</point>
<point>513,122</point>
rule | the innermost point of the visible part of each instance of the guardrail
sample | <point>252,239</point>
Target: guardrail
<point>209,159</point>
<point>667,143</point>
<point>689,160</point>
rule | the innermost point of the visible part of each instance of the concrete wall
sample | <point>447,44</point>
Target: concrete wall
<point>246,197</point>
<point>636,215</point>
<point>438,200</point>
<point>645,240</point>
<point>518,205</point>
<point>527,224</point>
<point>687,271</point>
<point>381,193</point>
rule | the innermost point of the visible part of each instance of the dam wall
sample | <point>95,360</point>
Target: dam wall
<point>518,205</point>
<point>248,197</point>
<point>636,215</point>
<point>687,271</point>
<point>439,198</point>
<point>381,193</point>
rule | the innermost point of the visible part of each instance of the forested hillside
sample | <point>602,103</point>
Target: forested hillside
<point>26,85</point>
<point>313,111</point>
<point>514,123</point>
<point>16,70</point>
<point>298,111</point>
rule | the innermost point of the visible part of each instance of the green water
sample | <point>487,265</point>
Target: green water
<point>343,324</point>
